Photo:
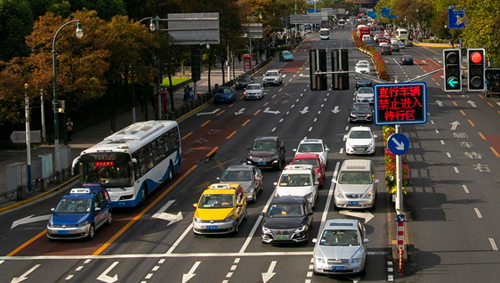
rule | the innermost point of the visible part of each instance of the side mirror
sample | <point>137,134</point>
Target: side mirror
<point>263,213</point>
<point>97,209</point>
<point>345,137</point>
<point>248,148</point>
<point>218,179</point>
<point>376,181</point>
<point>52,209</point>
<point>275,184</point>
<point>334,181</point>
<point>315,240</point>
<point>316,182</point>
<point>366,241</point>
<point>310,213</point>
<point>294,149</point>
<point>374,136</point>
<point>195,204</point>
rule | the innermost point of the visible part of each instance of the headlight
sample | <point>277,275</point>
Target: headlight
<point>353,115</point>
<point>229,219</point>
<point>339,194</point>
<point>368,195</point>
<point>82,224</point>
<point>50,225</point>
<point>301,229</point>
<point>244,92</point>
<point>320,260</point>
<point>368,115</point>
<point>265,230</point>
<point>196,219</point>
<point>358,256</point>
<point>356,260</point>
<point>309,195</point>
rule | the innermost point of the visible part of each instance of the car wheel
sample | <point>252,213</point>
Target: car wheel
<point>254,196</point>
<point>91,232</point>
<point>110,217</point>
<point>236,227</point>
<point>144,194</point>
<point>279,165</point>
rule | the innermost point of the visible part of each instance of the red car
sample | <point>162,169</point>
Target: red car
<point>312,159</point>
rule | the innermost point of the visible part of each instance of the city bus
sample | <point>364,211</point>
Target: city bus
<point>341,23</point>
<point>324,33</point>
<point>401,34</point>
<point>132,162</point>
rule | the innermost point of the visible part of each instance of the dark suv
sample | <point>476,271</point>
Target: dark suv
<point>267,152</point>
<point>385,50</point>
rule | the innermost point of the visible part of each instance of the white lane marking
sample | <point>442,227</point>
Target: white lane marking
<point>328,200</point>
<point>266,276</point>
<point>341,150</point>
<point>68,277</point>
<point>297,100</point>
<point>437,131</point>
<point>493,244</point>
<point>315,119</point>
<point>233,267</point>
<point>180,239</point>
<point>322,105</point>
<point>432,122</point>
<point>319,112</point>
<point>274,129</point>
<point>293,105</point>
<point>310,129</point>
<point>465,189</point>
<point>87,261</point>
<point>287,112</point>
<point>442,142</point>
<point>187,276</point>
<point>448,154</point>
<point>281,120</point>
<point>301,94</point>
<point>346,128</point>
<point>79,268</point>
<point>236,260</point>
<point>104,277</point>
<point>229,274</point>
<point>456,170</point>
<point>478,213</point>
<point>161,261</point>
<point>155,268</point>
<point>148,276</point>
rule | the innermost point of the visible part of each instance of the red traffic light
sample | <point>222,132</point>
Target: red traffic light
<point>476,57</point>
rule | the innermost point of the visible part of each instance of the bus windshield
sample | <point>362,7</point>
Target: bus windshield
<point>324,32</point>
<point>110,170</point>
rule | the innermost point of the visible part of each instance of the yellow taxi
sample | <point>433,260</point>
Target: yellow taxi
<point>220,210</point>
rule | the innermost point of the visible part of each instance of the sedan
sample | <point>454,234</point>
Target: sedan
<point>267,152</point>
<point>395,47</point>
<point>360,140</point>
<point>340,248</point>
<point>362,69</point>
<point>225,94</point>
<point>364,94</point>
<point>406,60</point>
<point>360,82</point>
<point>316,146</point>
<point>253,91</point>
<point>386,50</point>
<point>311,159</point>
<point>360,112</point>
<point>248,176</point>
<point>286,56</point>
<point>243,81</point>
<point>401,45</point>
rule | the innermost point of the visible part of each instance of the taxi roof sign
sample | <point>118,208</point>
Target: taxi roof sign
<point>80,191</point>
<point>299,167</point>
<point>220,186</point>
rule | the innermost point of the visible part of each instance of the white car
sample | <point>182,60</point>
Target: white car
<point>253,91</point>
<point>360,140</point>
<point>272,77</point>
<point>362,69</point>
<point>364,94</point>
<point>363,62</point>
<point>298,180</point>
<point>316,146</point>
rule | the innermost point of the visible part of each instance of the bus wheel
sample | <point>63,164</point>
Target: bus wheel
<point>170,173</point>
<point>144,194</point>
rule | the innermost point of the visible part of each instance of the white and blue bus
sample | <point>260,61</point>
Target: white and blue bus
<point>324,33</point>
<point>132,162</point>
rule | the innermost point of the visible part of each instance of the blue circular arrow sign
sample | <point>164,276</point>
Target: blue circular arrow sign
<point>398,144</point>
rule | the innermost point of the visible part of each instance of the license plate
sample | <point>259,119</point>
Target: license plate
<point>213,227</point>
<point>360,149</point>
<point>282,237</point>
<point>261,163</point>
<point>252,95</point>
<point>63,232</point>
<point>338,267</point>
<point>354,203</point>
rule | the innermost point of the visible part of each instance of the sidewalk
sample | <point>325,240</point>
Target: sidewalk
<point>87,137</point>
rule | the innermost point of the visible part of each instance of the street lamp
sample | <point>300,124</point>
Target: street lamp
<point>79,34</point>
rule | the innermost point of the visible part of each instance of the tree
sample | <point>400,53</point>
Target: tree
<point>14,76</point>
<point>105,9</point>
<point>16,22</point>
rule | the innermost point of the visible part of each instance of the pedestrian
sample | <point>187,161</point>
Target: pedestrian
<point>239,58</point>
<point>69,128</point>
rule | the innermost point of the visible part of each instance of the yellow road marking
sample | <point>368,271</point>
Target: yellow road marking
<point>463,113</point>
<point>256,112</point>
<point>228,137</point>
<point>491,105</point>
<point>481,135</point>
<point>472,124</point>
<point>27,243</point>
<point>495,152</point>
<point>205,123</point>
<point>245,122</point>
<point>187,136</point>
<point>218,114</point>
<point>454,103</point>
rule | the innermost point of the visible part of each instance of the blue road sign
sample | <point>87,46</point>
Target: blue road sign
<point>385,12</point>
<point>456,19</point>
<point>312,11</point>
<point>398,144</point>
<point>400,218</point>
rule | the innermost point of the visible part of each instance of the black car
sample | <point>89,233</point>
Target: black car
<point>287,220</point>
<point>385,50</point>
<point>267,152</point>
<point>395,47</point>
<point>243,81</point>
<point>406,60</point>
<point>360,112</point>
<point>360,82</point>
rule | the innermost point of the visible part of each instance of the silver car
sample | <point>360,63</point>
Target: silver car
<point>253,91</point>
<point>248,176</point>
<point>364,94</point>
<point>356,186</point>
<point>340,248</point>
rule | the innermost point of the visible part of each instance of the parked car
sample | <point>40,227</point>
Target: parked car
<point>268,152</point>
<point>360,140</point>
<point>287,220</point>
<point>79,214</point>
<point>355,185</point>
<point>340,248</point>
<point>272,77</point>
<point>248,176</point>
<point>360,112</point>
<point>253,91</point>
<point>225,94</point>
<point>243,81</point>
<point>406,60</point>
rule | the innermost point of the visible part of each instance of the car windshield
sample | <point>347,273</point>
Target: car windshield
<point>264,146</point>
<point>253,87</point>
<point>287,53</point>
<point>216,201</point>
<point>365,90</point>
<point>339,238</point>
<point>73,205</point>
<point>362,66</point>
<point>360,135</point>
<point>310,147</point>
<point>224,90</point>
<point>237,176</point>
<point>272,74</point>
<point>295,180</point>
<point>361,107</point>
<point>355,177</point>
<point>285,210</point>
<point>244,79</point>
<point>306,161</point>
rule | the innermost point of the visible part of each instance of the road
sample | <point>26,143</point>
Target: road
<point>451,173</point>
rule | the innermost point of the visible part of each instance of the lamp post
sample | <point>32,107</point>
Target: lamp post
<point>79,34</point>
<point>156,27</point>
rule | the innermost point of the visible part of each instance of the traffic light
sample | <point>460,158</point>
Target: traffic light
<point>452,70</point>
<point>340,62</point>
<point>475,69</point>
<point>317,61</point>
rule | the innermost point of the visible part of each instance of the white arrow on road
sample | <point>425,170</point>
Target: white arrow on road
<point>190,274</point>
<point>29,219</point>
<point>305,110</point>
<point>472,103</point>
<point>399,145</point>
<point>266,276</point>
<point>267,110</point>
<point>336,110</point>
<point>24,276</point>
<point>104,277</point>
<point>439,103</point>
<point>240,111</point>
<point>161,214</point>
<point>208,113</point>
<point>454,125</point>
<point>367,216</point>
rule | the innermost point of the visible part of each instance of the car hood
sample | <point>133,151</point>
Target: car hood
<point>223,94</point>
<point>284,222</point>
<point>270,77</point>
<point>253,91</point>
<point>363,82</point>
<point>360,141</point>
<point>68,218</point>
<point>360,112</point>
<point>258,153</point>
<point>364,94</point>
<point>244,184</point>
<point>336,252</point>
<point>354,189</point>
<point>207,214</point>
<point>293,191</point>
